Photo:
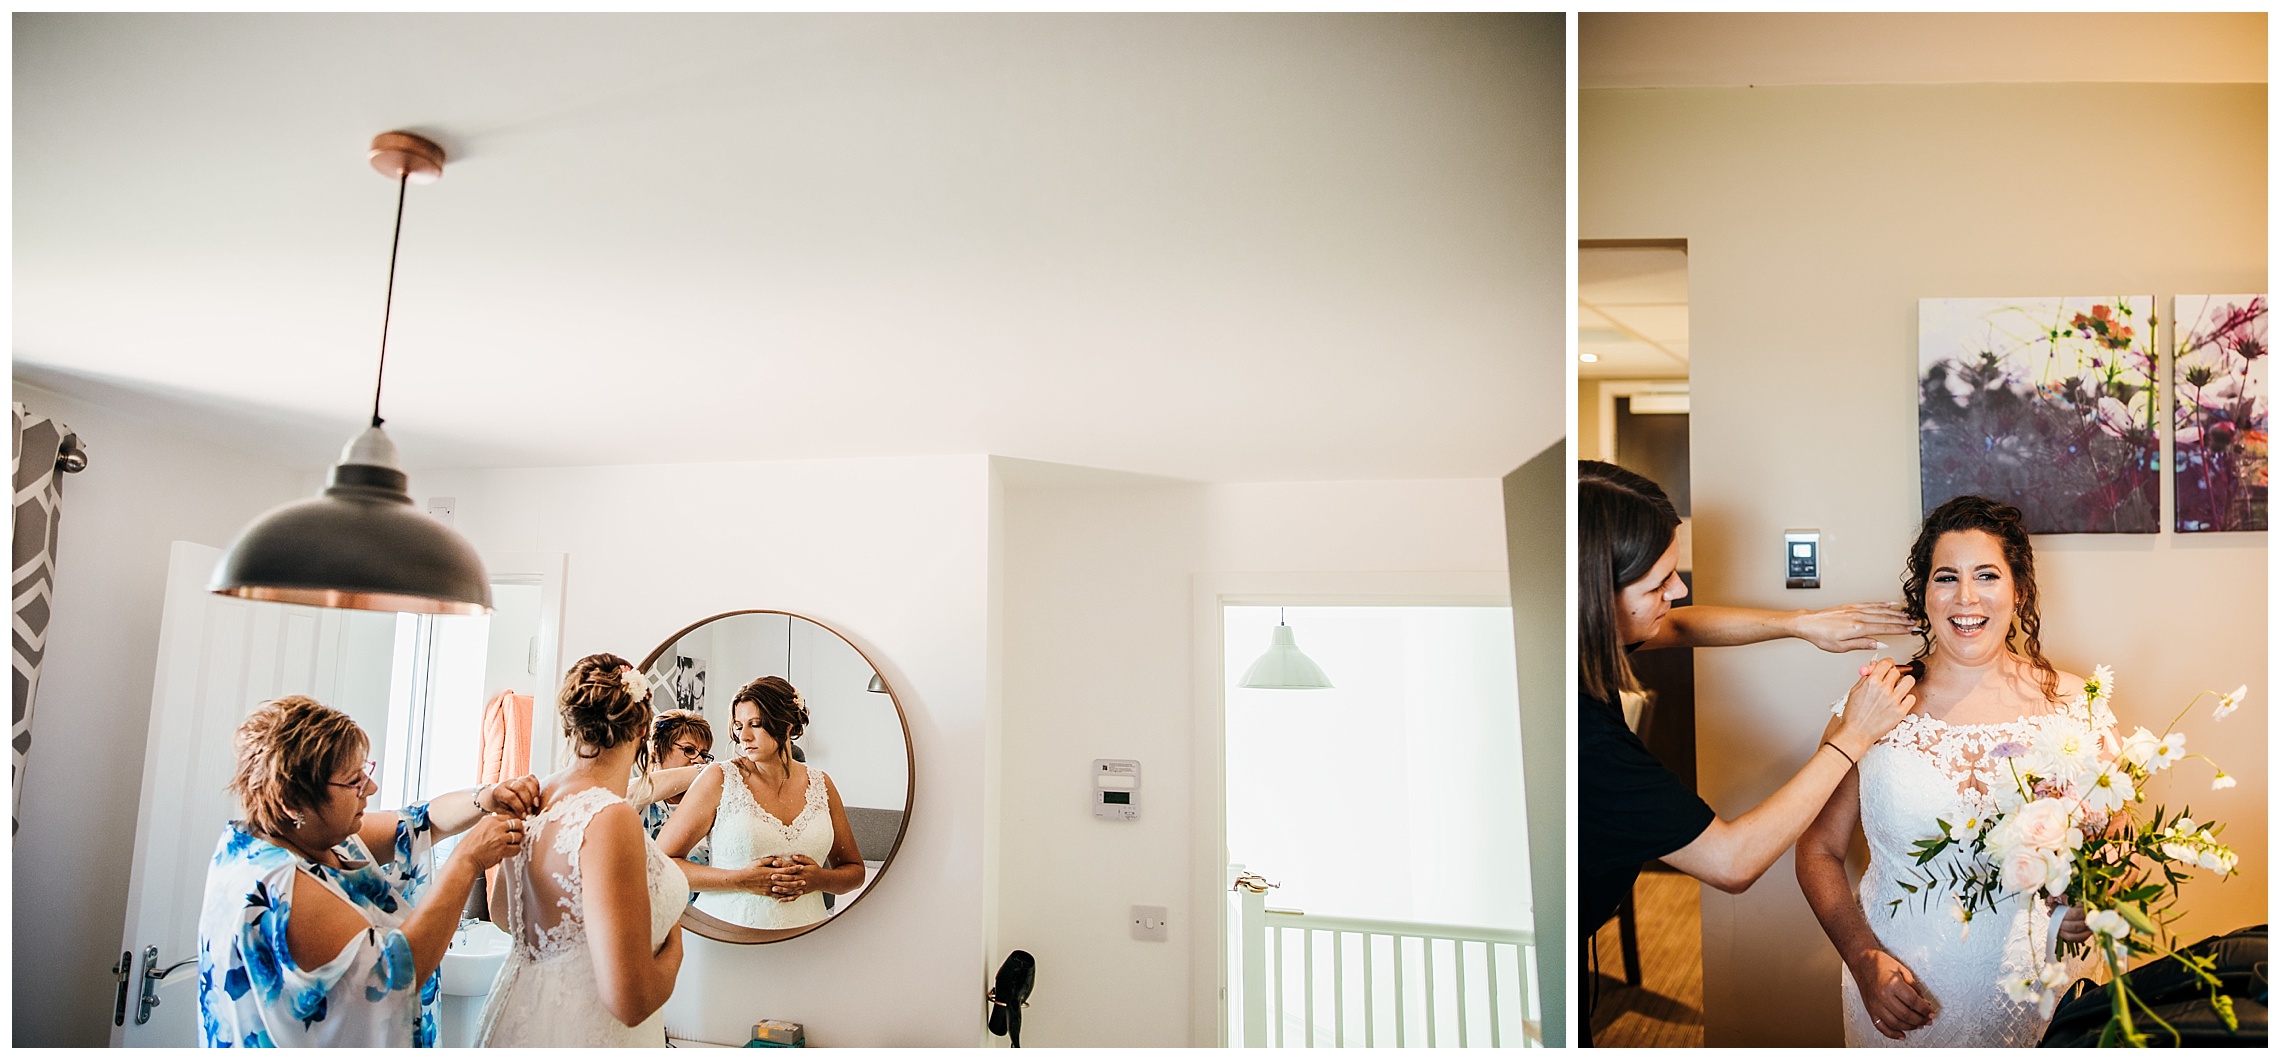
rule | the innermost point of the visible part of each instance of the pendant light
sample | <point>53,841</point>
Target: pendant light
<point>362,545</point>
<point>1284,666</point>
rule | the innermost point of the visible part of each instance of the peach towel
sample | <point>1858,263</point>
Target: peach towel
<point>506,744</point>
<point>506,737</point>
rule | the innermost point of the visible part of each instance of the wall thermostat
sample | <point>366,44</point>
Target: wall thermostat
<point>1116,789</point>
<point>1804,547</point>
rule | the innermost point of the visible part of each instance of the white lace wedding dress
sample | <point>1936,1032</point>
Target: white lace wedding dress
<point>743,833</point>
<point>1925,770</point>
<point>546,993</point>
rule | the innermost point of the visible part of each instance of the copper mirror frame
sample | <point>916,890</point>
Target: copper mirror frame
<point>713,927</point>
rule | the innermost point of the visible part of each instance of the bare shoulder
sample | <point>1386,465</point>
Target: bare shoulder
<point>2070,685</point>
<point>614,824</point>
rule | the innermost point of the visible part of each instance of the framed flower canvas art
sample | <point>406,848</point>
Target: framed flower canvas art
<point>2222,417</point>
<point>2048,404</point>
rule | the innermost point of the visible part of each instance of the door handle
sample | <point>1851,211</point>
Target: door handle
<point>151,975</point>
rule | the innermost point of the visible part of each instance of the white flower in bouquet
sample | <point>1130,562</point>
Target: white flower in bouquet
<point>2042,824</point>
<point>2108,792</point>
<point>2219,860</point>
<point>2100,687</point>
<point>2109,923</point>
<point>2065,750</point>
<point>2006,796</point>
<point>2169,752</point>
<point>2025,869</point>
<point>2229,702</point>
<point>2138,747</point>
<point>2040,986</point>
<point>2223,780</point>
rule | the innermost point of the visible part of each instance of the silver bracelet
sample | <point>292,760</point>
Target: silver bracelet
<point>479,789</point>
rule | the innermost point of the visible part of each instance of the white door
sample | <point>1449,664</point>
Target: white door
<point>217,658</point>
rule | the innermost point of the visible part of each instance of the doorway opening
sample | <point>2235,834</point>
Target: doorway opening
<point>1387,812</point>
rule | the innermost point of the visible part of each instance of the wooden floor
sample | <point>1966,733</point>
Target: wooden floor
<point>1666,1009</point>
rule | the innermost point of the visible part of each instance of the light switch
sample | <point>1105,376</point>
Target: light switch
<point>1151,923</point>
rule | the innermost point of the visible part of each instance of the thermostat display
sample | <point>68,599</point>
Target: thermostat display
<point>1804,558</point>
<point>1116,789</point>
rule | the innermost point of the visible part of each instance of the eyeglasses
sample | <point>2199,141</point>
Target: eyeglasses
<point>369,776</point>
<point>691,751</point>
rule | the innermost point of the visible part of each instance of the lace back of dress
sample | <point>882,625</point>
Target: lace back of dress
<point>548,914</point>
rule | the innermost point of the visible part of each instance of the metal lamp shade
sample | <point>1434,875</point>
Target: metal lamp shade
<point>360,546</point>
<point>1284,666</point>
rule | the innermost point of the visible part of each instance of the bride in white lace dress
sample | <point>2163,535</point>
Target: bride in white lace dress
<point>1915,973</point>
<point>593,907</point>
<point>780,839</point>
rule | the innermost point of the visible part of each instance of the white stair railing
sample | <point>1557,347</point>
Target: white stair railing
<point>1381,982</point>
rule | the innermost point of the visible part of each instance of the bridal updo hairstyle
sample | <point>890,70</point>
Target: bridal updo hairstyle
<point>2009,527</point>
<point>288,750</point>
<point>782,714</point>
<point>599,712</point>
<point>1624,524</point>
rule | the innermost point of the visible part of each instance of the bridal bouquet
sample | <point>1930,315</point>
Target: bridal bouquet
<point>2068,822</point>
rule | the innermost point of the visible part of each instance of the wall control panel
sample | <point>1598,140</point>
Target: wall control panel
<point>1804,559</point>
<point>1116,789</point>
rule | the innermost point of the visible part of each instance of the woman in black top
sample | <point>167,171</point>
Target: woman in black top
<point>1631,809</point>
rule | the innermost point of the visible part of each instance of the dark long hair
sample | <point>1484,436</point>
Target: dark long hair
<point>1624,524</point>
<point>2009,527</point>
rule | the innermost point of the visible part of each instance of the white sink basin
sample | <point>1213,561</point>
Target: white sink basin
<point>472,963</point>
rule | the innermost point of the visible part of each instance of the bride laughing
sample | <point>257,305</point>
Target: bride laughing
<point>1917,974</point>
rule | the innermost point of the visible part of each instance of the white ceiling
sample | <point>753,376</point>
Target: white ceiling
<point>1631,312</point>
<point>1223,248</point>
<point>1683,50</point>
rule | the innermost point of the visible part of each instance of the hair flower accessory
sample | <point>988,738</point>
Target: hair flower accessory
<point>636,685</point>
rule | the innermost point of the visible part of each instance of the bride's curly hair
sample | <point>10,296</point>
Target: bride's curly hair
<point>598,710</point>
<point>2008,526</point>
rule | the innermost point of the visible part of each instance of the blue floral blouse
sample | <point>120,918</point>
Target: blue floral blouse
<point>653,818</point>
<point>250,993</point>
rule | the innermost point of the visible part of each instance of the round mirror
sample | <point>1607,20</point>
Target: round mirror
<point>778,836</point>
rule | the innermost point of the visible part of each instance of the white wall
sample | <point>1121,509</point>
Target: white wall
<point>1815,218</point>
<point>892,552</point>
<point>142,489</point>
<point>1099,663</point>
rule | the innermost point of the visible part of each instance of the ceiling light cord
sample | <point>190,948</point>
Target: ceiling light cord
<point>388,308</point>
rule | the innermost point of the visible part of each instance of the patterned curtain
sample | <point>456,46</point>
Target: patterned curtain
<point>42,451</point>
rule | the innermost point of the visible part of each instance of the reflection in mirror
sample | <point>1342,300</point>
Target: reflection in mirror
<point>801,775</point>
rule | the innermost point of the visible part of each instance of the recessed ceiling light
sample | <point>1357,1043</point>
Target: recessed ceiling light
<point>1588,358</point>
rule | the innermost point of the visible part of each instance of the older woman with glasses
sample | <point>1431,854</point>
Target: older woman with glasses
<point>322,925</point>
<point>680,744</point>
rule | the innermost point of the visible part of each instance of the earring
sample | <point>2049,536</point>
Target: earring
<point>295,817</point>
